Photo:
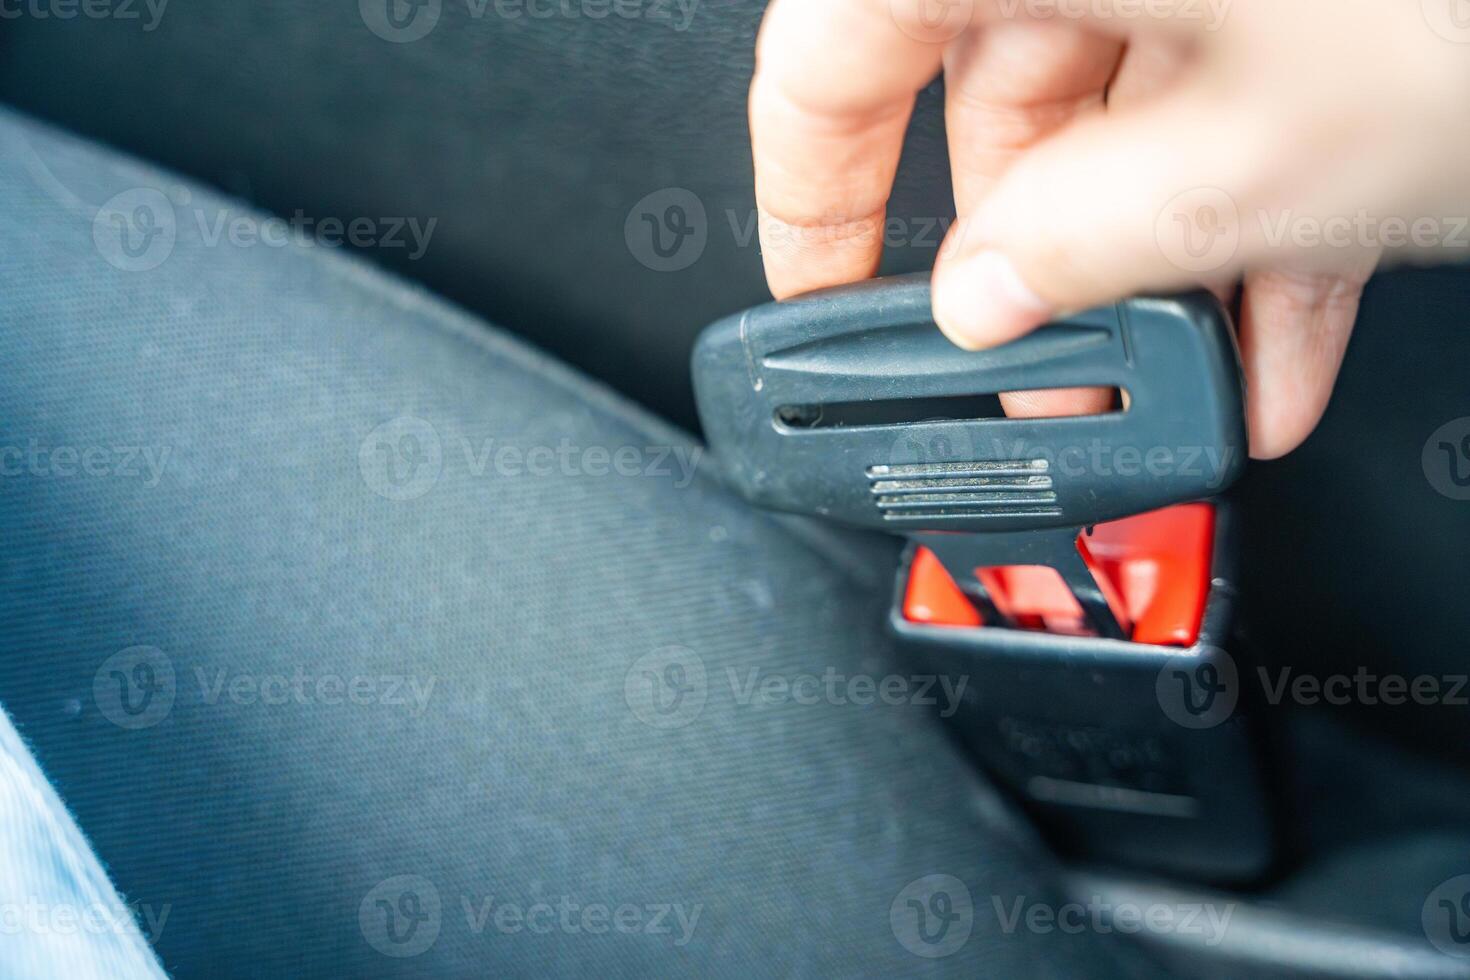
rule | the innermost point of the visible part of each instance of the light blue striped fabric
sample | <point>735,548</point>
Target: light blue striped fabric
<point>59,915</point>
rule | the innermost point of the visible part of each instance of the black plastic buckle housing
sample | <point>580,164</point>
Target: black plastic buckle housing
<point>1121,751</point>
<point>849,405</point>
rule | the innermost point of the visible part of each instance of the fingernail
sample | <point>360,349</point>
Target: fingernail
<point>983,302</point>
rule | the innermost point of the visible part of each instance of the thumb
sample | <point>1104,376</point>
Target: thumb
<point>1111,206</point>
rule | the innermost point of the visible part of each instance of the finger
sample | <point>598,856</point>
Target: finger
<point>1011,85</point>
<point>1106,208</point>
<point>1148,66</point>
<point>1294,330</point>
<point>1151,65</point>
<point>1007,87</point>
<point>1055,403</point>
<point>834,86</point>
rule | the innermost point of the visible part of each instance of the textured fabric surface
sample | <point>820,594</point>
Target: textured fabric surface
<point>336,650</point>
<point>59,915</point>
<point>529,130</point>
<point>533,140</point>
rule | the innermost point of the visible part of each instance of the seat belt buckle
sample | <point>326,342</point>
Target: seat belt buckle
<point>1077,570</point>
<point>1139,750</point>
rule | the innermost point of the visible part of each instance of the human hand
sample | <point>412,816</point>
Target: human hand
<point>1101,148</point>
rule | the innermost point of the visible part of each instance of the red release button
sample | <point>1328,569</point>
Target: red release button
<point>1154,569</point>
